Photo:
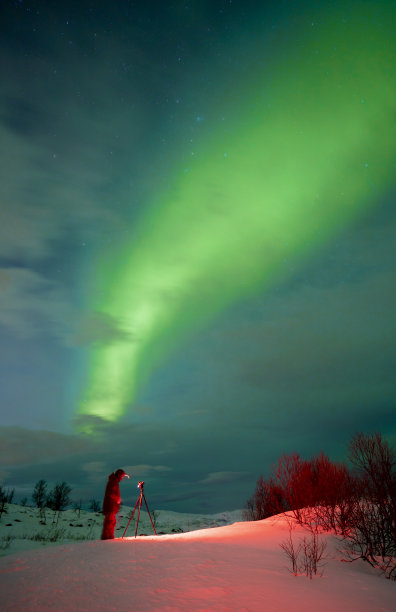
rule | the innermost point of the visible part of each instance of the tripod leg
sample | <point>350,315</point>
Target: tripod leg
<point>140,505</point>
<point>148,512</point>
<point>131,517</point>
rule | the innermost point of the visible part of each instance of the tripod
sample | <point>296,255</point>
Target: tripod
<point>139,502</point>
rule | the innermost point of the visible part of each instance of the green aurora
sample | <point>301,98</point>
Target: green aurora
<point>310,149</point>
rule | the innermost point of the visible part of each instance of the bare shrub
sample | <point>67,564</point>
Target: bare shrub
<point>77,506</point>
<point>10,495</point>
<point>324,495</point>
<point>3,502</point>
<point>268,499</point>
<point>248,513</point>
<point>94,505</point>
<point>155,516</point>
<point>317,492</point>
<point>6,497</point>
<point>307,556</point>
<point>5,541</point>
<point>43,515</point>
<point>293,478</point>
<point>313,551</point>
<point>52,535</point>
<point>372,533</point>
<point>292,552</point>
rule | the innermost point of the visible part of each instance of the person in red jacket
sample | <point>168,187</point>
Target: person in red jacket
<point>111,503</point>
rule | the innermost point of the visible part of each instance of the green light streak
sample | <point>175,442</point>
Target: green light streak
<point>310,149</point>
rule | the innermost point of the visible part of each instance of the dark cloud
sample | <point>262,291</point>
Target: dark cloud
<point>25,447</point>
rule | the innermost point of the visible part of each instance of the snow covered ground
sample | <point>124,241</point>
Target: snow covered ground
<point>24,528</point>
<point>233,567</point>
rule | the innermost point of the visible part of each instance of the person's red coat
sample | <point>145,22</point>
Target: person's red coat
<point>112,497</point>
<point>111,504</point>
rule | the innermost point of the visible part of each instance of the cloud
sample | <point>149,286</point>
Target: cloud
<point>67,148</point>
<point>31,304</point>
<point>188,495</point>
<point>142,471</point>
<point>94,466</point>
<point>27,228</point>
<point>222,477</point>
<point>97,327</point>
<point>23,447</point>
<point>96,471</point>
<point>65,141</point>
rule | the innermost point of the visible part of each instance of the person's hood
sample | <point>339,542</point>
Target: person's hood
<point>119,474</point>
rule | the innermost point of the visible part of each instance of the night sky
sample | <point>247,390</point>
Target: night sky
<point>197,229</point>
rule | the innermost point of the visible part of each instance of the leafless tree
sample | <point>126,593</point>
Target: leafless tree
<point>39,495</point>
<point>249,512</point>
<point>372,536</point>
<point>59,498</point>
<point>268,499</point>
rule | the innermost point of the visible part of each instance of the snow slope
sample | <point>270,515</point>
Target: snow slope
<point>235,567</point>
<point>25,528</point>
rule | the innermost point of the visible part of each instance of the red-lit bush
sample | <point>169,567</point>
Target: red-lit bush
<point>268,499</point>
<point>372,533</point>
<point>324,495</point>
<point>303,485</point>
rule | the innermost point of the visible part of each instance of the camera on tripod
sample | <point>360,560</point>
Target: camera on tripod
<point>138,505</point>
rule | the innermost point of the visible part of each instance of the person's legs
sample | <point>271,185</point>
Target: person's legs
<point>109,524</point>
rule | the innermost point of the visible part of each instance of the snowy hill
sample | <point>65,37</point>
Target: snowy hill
<point>234,567</point>
<point>25,528</point>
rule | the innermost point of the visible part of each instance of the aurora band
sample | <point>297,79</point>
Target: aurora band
<point>311,147</point>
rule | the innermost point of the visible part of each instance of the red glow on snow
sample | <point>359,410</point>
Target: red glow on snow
<point>236,567</point>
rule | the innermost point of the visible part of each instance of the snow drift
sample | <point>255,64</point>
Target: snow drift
<point>235,567</point>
